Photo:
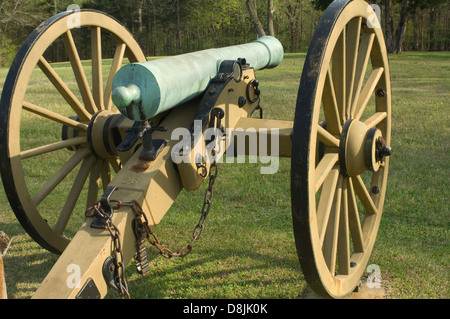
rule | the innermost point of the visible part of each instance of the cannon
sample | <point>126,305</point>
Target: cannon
<point>118,131</point>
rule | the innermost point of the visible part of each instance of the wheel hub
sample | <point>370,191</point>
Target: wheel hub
<point>100,137</point>
<point>69,133</point>
<point>99,134</point>
<point>361,148</point>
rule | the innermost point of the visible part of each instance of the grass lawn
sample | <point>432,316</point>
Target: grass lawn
<point>247,249</point>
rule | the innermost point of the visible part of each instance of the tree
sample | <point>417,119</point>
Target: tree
<point>293,10</point>
<point>401,28</point>
<point>270,11</point>
<point>434,10</point>
<point>321,5</point>
<point>253,13</point>
<point>17,19</point>
<point>408,9</point>
<point>389,25</point>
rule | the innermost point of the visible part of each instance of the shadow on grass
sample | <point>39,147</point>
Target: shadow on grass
<point>220,273</point>
<point>26,265</point>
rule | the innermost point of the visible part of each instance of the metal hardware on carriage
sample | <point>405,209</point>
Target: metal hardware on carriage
<point>142,230</point>
<point>102,210</point>
<point>231,82</point>
<point>143,130</point>
<point>113,267</point>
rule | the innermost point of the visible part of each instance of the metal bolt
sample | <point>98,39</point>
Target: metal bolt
<point>381,92</point>
<point>352,264</point>
<point>382,149</point>
<point>242,101</point>
<point>385,151</point>
<point>375,189</point>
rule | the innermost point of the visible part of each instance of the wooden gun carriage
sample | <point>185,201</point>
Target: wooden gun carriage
<point>120,135</point>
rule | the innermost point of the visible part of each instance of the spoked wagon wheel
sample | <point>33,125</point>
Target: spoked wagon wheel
<point>52,118</point>
<point>344,104</point>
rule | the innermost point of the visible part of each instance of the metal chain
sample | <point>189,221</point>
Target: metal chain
<point>119,266</point>
<point>142,230</point>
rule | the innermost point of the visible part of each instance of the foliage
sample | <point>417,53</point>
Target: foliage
<point>164,27</point>
<point>321,4</point>
<point>7,51</point>
<point>18,18</point>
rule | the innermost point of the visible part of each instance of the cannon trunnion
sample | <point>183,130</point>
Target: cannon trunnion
<point>140,131</point>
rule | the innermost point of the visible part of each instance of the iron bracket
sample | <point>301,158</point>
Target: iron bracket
<point>110,273</point>
<point>98,222</point>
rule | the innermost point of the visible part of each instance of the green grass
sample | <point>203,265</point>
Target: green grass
<point>247,249</point>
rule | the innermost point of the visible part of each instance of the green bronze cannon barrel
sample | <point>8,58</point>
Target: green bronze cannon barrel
<point>143,90</point>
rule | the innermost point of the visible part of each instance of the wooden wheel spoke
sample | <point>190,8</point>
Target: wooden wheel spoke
<point>353,38</point>
<point>97,74</point>
<point>80,75</point>
<point>116,64</point>
<point>74,194</point>
<point>365,49</point>
<point>115,164</point>
<point>324,168</point>
<point>54,181</point>
<point>105,174</point>
<point>330,242</point>
<point>52,147</point>
<point>54,116</point>
<point>343,249</point>
<point>375,119</point>
<point>325,202</point>
<point>326,137</point>
<point>338,61</point>
<point>367,92</point>
<point>94,179</point>
<point>330,106</point>
<point>364,195</point>
<point>64,90</point>
<point>354,221</point>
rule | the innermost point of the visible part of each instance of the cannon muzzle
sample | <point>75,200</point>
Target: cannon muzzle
<point>143,90</point>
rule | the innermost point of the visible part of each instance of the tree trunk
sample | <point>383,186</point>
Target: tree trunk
<point>178,47</point>
<point>416,31</point>
<point>301,26</point>
<point>432,46</point>
<point>140,24</point>
<point>422,37</point>
<point>294,36</point>
<point>270,11</point>
<point>446,43</point>
<point>439,31</point>
<point>389,21</point>
<point>401,28</point>
<point>254,18</point>
<point>293,12</point>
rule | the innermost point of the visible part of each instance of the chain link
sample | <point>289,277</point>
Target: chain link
<point>119,266</point>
